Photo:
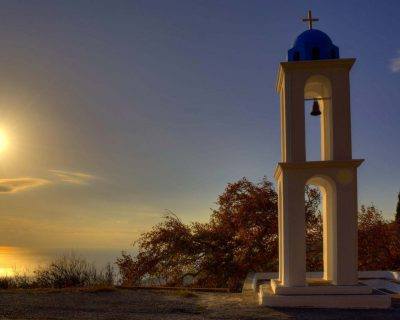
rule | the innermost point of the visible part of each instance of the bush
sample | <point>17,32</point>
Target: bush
<point>6,282</point>
<point>72,271</point>
<point>65,271</point>
<point>17,281</point>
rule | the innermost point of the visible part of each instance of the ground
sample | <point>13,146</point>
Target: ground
<point>145,304</point>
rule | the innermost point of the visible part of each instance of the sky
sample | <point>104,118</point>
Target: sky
<point>116,111</point>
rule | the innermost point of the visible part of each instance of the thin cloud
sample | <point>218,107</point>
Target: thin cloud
<point>395,63</point>
<point>20,184</point>
<point>73,177</point>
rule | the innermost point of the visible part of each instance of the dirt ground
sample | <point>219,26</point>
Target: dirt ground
<point>144,304</point>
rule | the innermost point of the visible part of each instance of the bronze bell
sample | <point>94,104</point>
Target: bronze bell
<point>315,108</point>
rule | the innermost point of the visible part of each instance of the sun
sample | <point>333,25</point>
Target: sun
<point>3,141</point>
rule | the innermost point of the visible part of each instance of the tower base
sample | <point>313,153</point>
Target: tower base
<point>319,287</point>
<point>337,298</point>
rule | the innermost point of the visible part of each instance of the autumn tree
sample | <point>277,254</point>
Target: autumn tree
<point>241,236</point>
<point>378,241</point>
<point>165,254</point>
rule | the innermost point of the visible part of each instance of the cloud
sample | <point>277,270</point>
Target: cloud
<point>73,177</point>
<point>395,63</point>
<point>20,184</point>
<point>13,185</point>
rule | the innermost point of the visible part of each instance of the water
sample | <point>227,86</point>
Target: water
<point>21,260</point>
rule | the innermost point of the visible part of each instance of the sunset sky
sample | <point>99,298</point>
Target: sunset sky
<point>117,110</point>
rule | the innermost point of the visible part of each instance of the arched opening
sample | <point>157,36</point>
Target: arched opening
<point>320,206</point>
<point>333,54</point>
<point>318,129</point>
<point>315,53</point>
<point>314,234</point>
<point>313,133</point>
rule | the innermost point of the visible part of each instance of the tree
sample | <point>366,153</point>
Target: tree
<point>165,254</point>
<point>378,241</point>
<point>397,218</point>
<point>241,236</point>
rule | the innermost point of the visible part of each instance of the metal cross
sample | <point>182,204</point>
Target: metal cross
<point>310,19</point>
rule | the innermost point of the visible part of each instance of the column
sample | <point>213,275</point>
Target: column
<point>346,263</point>
<point>293,231</point>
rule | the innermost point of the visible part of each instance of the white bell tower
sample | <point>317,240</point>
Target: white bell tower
<point>326,81</point>
<point>315,72</point>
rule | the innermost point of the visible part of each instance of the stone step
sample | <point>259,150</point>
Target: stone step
<point>375,300</point>
<point>316,287</point>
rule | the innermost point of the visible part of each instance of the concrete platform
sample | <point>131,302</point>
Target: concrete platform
<point>317,287</point>
<point>374,300</point>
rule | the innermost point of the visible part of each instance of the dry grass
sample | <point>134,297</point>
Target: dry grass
<point>66,271</point>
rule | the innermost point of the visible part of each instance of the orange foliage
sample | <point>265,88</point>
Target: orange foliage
<point>378,241</point>
<point>242,236</point>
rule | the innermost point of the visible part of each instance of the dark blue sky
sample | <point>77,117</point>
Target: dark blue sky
<point>121,109</point>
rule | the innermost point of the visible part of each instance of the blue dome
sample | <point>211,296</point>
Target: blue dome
<point>313,36</point>
<point>313,44</point>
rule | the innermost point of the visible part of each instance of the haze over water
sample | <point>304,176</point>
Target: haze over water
<point>24,260</point>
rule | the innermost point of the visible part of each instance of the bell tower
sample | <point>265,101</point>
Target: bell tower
<point>314,71</point>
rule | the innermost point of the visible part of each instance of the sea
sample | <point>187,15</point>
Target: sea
<point>25,260</point>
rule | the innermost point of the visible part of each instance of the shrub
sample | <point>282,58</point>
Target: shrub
<point>6,282</point>
<point>68,270</point>
<point>72,271</point>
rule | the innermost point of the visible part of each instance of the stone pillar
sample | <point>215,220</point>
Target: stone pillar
<point>280,230</point>
<point>292,235</point>
<point>346,262</point>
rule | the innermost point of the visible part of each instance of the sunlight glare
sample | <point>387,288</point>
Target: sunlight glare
<point>6,272</point>
<point>3,141</point>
